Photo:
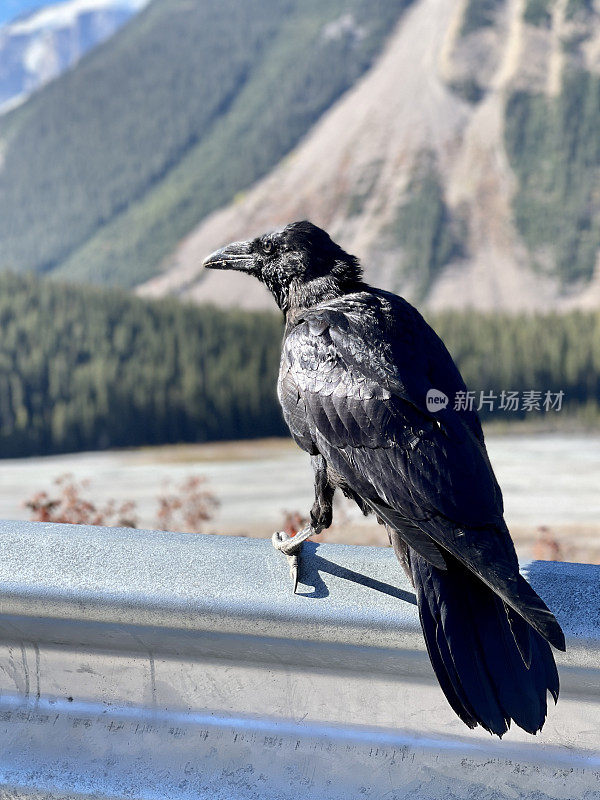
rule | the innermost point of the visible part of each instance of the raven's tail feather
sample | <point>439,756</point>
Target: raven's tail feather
<point>492,665</point>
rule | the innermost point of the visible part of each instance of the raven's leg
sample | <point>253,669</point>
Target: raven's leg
<point>321,515</point>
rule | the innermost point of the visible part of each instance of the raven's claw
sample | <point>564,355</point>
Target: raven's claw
<point>293,562</point>
<point>290,547</point>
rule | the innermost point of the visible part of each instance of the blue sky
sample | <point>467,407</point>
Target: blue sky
<point>9,9</point>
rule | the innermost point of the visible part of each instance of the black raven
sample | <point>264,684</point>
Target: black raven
<point>357,365</point>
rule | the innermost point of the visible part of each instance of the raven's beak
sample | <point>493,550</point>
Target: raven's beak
<point>236,255</point>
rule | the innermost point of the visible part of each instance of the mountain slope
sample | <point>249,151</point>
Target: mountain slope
<point>40,45</point>
<point>464,168</point>
<point>107,167</point>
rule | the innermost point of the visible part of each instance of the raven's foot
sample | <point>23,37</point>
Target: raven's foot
<point>290,546</point>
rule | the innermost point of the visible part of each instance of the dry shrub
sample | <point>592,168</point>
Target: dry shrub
<point>69,505</point>
<point>184,509</point>
<point>547,547</point>
<point>293,522</point>
<point>187,508</point>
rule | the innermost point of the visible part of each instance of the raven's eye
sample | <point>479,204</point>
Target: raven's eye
<point>267,247</point>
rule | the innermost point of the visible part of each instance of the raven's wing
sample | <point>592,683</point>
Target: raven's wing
<point>353,384</point>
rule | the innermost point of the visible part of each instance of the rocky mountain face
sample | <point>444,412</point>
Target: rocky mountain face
<point>38,46</point>
<point>463,168</point>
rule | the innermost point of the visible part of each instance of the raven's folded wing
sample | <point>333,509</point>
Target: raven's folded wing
<point>355,391</point>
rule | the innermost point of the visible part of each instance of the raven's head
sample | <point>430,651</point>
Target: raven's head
<point>300,264</point>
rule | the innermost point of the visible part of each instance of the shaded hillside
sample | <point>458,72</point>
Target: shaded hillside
<point>105,169</point>
<point>464,169</point>
<point>554,147</point>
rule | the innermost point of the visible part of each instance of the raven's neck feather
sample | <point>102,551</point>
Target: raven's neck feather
<point>300,296</point>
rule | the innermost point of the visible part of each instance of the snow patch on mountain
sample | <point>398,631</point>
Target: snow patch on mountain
<point>37,47</point>
<point>66,14</point>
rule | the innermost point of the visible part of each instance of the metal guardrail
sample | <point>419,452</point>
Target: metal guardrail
<point>138,664</point>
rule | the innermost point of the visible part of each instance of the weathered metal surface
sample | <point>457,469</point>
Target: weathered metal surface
<point>148,665</point>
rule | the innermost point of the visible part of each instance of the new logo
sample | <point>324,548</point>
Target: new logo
<point>435,400</point>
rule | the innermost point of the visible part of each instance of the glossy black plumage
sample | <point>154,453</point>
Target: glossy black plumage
<point>356,366</point>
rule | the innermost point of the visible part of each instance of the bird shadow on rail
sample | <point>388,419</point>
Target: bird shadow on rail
<point>312,565</point>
